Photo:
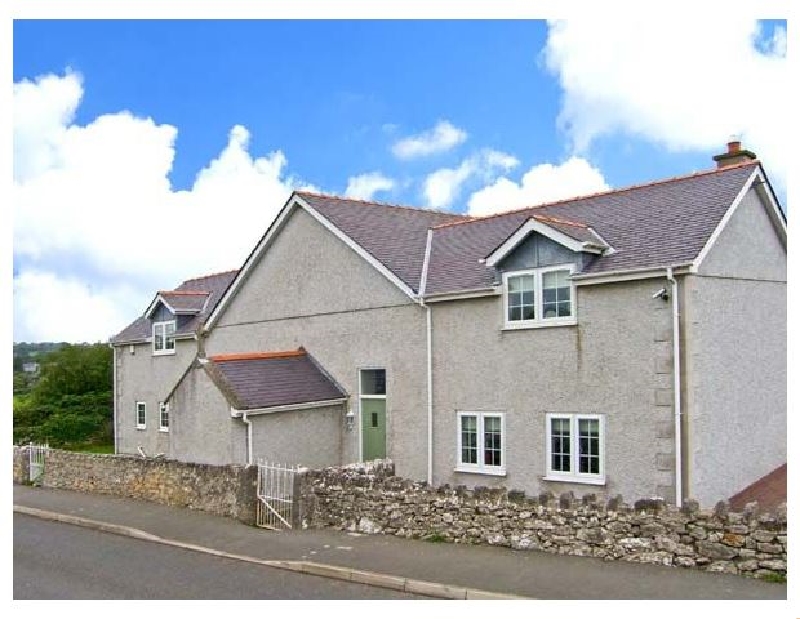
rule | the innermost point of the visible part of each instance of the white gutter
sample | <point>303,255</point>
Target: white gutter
<point>290,407</point>
<point>676,352</point>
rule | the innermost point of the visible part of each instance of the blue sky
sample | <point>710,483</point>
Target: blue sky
<point>145,126</point>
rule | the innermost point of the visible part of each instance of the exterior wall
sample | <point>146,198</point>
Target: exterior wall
<point>201,427</point>
<point>539,251</point>
<point>748,247</point>
<point>143,377</point>
<point>616,361</point>
<point>735,351</point>
<point>311,438</point>
<point>310,289</point>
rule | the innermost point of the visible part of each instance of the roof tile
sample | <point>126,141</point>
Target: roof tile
<point>265,380</point>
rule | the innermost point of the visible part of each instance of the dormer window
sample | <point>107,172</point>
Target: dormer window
<point>164,338</point>
<point>539,297</point>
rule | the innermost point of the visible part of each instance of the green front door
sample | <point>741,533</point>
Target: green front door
<point>373,428</point>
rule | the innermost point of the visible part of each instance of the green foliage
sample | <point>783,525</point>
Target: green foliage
<point>23,383</point>
<point>72,400</point>
<point>435,538</point>
<point>776,578</point>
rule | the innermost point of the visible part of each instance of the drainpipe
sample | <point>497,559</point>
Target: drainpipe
<point>676,351</point>
<point>114,352</point>
<point>429,355</point>
<point>430,395</point>
<point>249,425</point>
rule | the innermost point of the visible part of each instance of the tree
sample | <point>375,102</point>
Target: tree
<point>73,399</point>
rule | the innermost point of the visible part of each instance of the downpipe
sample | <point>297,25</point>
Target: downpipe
<point>676,352</point>
<point>249,425</point>
<point>429,355</point>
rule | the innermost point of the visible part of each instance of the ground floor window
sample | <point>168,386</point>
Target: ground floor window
<point>481,442</point>
<point>163,410</point>
<point>575,447</point>
<point>141,415</point>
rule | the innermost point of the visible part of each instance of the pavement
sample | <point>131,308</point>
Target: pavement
<point>444,570</point>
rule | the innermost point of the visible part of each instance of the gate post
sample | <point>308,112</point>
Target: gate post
<point>297,499</point>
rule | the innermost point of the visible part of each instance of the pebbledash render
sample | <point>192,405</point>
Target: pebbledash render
<point>630,342</point>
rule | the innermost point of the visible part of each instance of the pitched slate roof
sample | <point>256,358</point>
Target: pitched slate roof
<point>268,379</point>
<point>654,225</point>
<point>211,286</point>
<point>768,492</point>
<point>395,235</point>
<point>185,301</point>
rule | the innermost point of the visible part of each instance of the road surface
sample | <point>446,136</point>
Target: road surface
<point>61,561</point>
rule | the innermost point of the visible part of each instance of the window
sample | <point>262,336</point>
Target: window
<point>163,414</point>
<point>164,338</point>
<point>141,415</point>
<point>481,443</point>
<point>538,297</point>
<point>575,448</point>
<point>373,383</point>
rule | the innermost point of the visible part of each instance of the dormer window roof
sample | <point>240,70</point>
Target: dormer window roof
<point>179,302</point>
<point>574,235</point>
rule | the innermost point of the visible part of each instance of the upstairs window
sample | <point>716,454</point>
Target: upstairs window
<point>538,297</point>
<point>164,338</point>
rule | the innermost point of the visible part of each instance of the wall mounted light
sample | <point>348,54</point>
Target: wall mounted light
<point>349,420</point>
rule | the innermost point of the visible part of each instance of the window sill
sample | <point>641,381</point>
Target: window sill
<point>163,353</point>
<point>499,472</point>
<point>589,481</point>
<point>571,322</point>
<point>141,427</point>
<point>165,430</point>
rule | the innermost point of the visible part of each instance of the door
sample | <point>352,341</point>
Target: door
<point>373,428</point>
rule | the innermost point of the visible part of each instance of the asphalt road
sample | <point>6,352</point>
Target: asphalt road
<point>60,561</point>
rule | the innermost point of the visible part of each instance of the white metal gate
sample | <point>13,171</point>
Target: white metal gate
<point>37,454</point>
<point>275,507</point>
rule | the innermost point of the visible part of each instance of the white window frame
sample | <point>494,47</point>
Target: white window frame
<point>540,320</point>
<point>139,425</point>
<point>575,476</point>
<point>480,467</point>
<point>163,326</point>
<point>163,409</point>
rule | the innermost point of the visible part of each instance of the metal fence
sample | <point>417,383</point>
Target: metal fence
<point>276,484</point>
<point>37,455</point>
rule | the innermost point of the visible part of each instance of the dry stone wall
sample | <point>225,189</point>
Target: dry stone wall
<point>372,500</point>
<point>220,490</point>
<point>21,467</point>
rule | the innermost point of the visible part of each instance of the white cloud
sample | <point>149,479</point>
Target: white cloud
<point>441,138</point>
<point>682,83</point>
<point>42,301</point>
<point>542,183</point>
<point>365,186</point>
<point>443,186</point>
<point>94,204</point>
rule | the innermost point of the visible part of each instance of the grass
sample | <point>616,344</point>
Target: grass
<point>776,578</point>
<point>435,538</point>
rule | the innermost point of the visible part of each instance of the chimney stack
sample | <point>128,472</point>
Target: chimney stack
<point>735,154</point>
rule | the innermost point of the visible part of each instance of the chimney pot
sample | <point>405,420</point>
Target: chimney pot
<point>734,146</point>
